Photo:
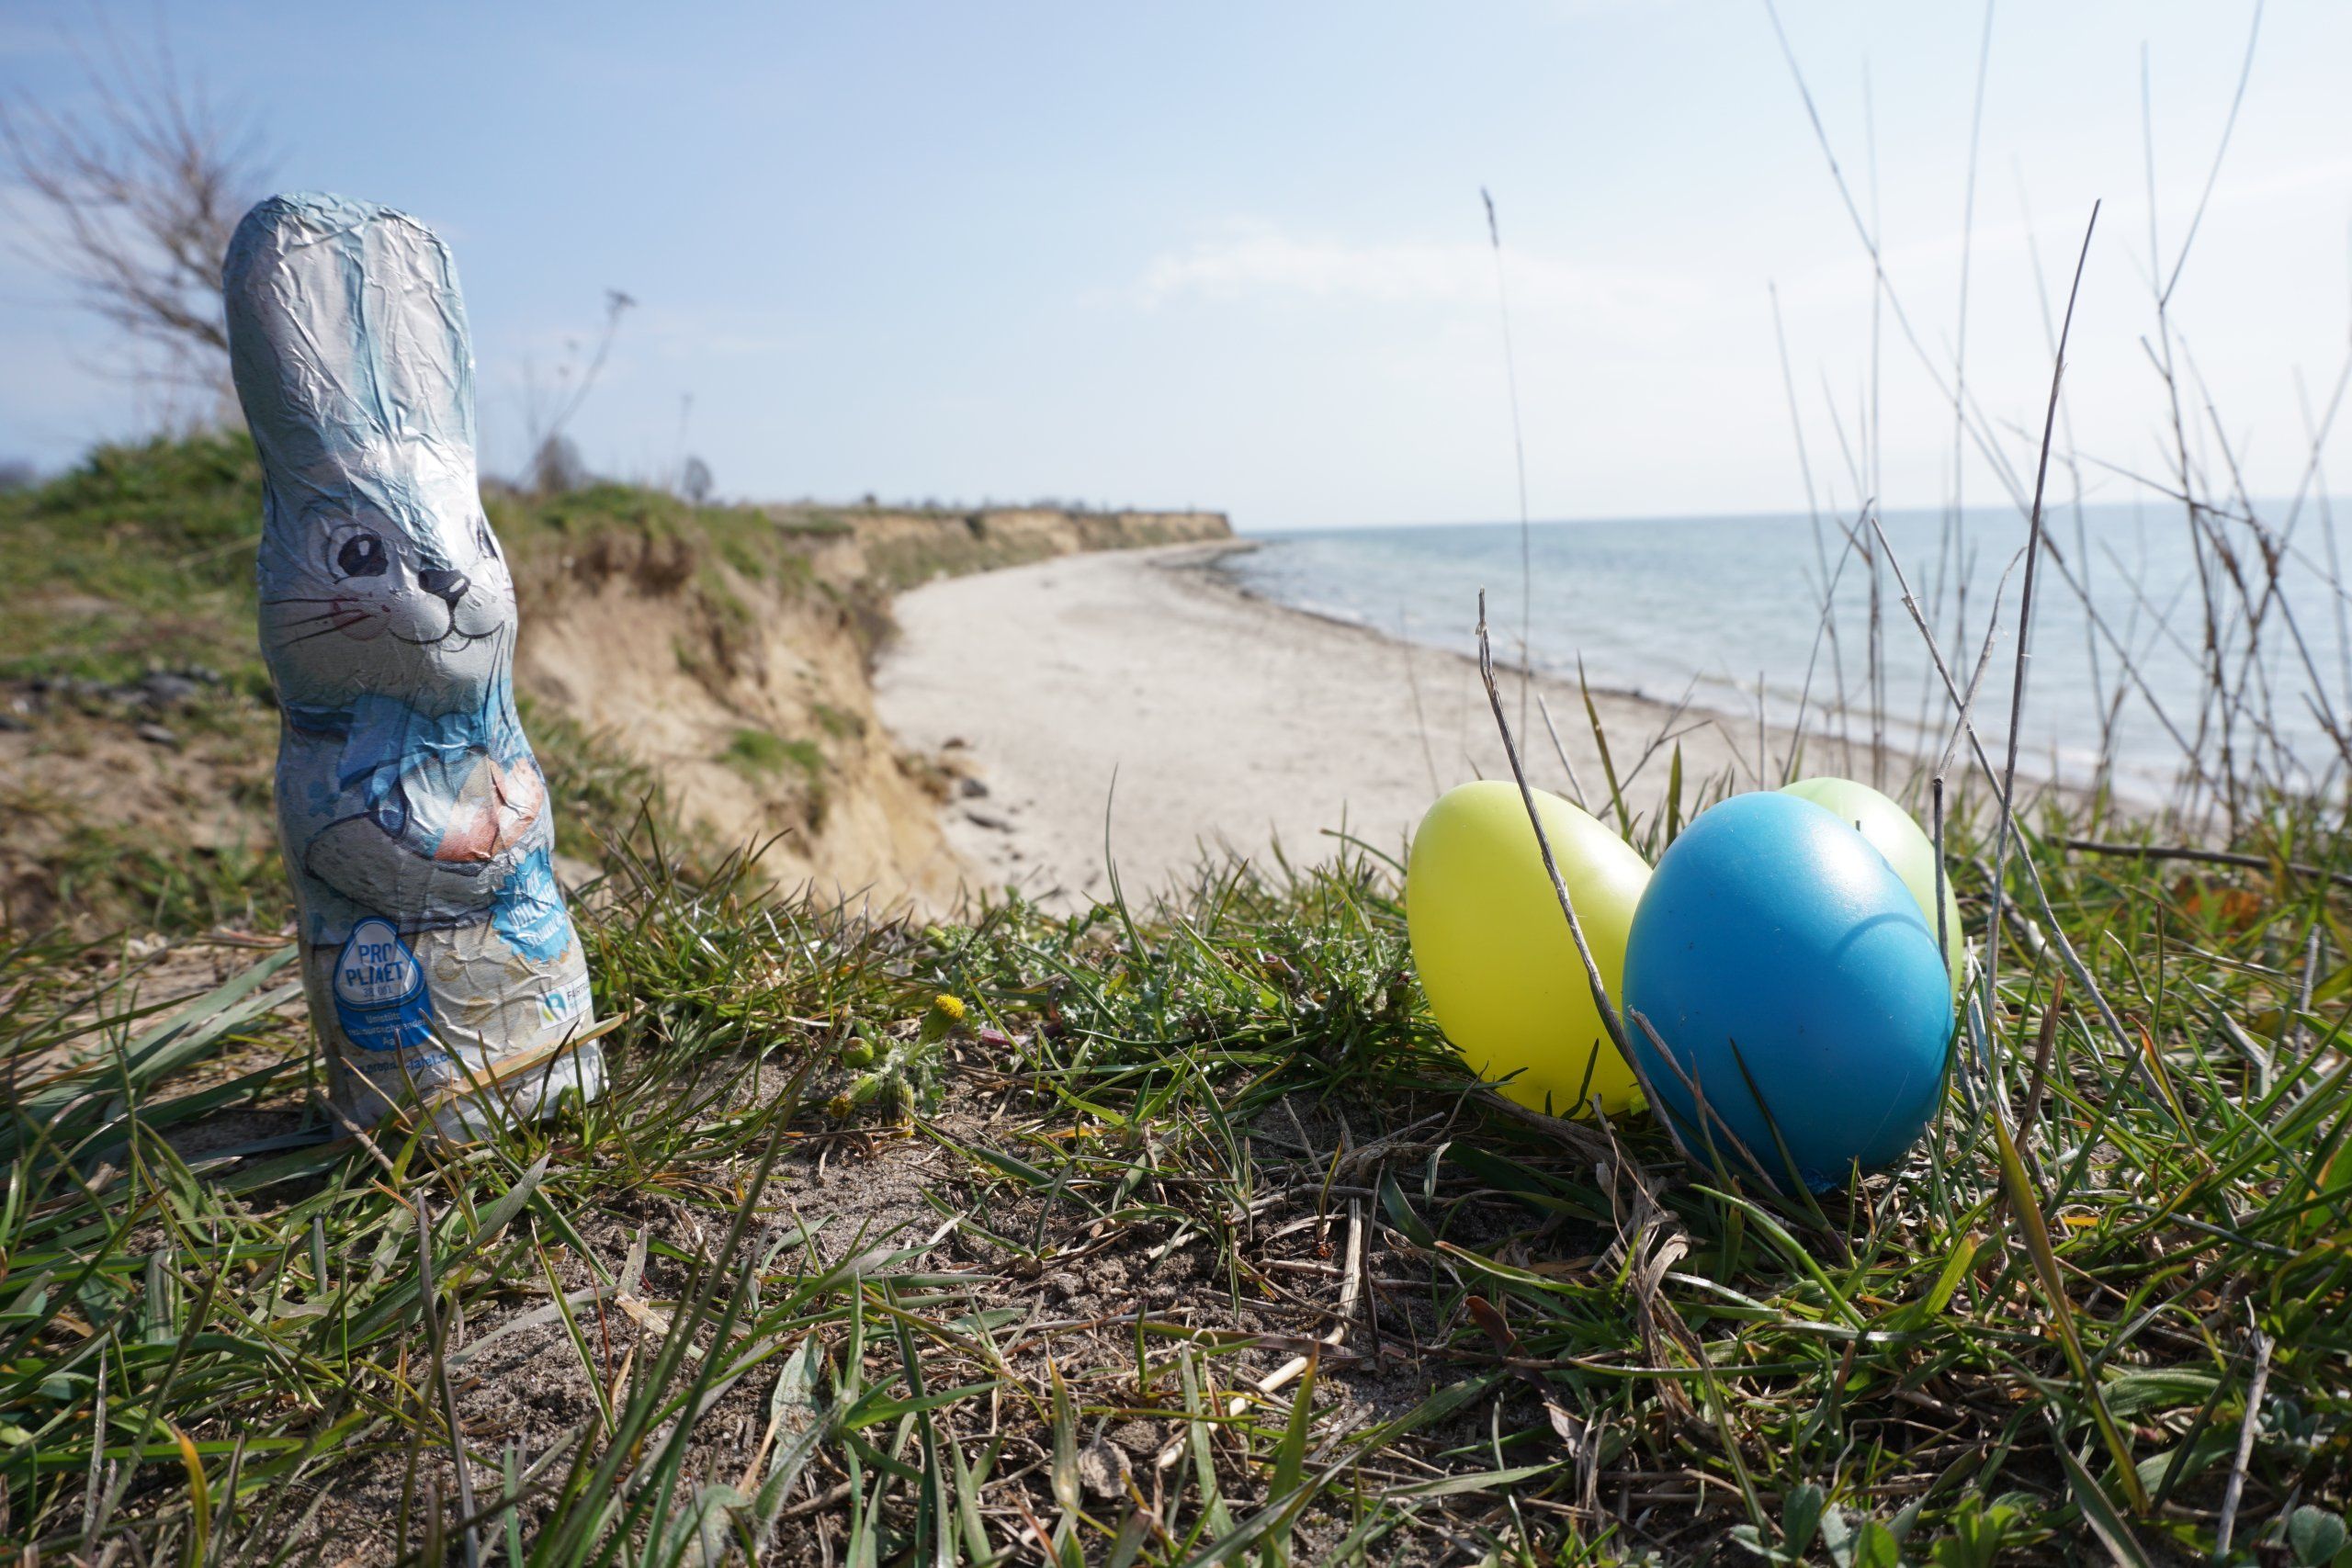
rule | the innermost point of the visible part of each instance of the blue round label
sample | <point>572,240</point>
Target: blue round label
<point>379,990</point>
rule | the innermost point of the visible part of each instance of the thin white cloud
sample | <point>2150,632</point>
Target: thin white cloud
<point>1267,262</point>
<point>1261,261</point>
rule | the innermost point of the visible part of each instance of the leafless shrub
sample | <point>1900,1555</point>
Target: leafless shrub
<point>555,464</point>
<point>134,195</point>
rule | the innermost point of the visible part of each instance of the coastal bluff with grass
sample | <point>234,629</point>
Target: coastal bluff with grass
<point>699,670</point>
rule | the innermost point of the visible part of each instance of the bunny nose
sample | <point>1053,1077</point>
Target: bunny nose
<point>450,586</point>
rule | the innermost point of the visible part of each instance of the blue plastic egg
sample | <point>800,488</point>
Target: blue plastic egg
<point>1773,938</point>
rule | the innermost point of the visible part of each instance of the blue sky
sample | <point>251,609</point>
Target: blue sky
<point>1233,255</point>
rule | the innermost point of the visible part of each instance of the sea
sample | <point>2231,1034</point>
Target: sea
<point>1726,612</point>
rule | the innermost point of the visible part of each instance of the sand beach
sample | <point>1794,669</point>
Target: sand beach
<point>1226,724</point>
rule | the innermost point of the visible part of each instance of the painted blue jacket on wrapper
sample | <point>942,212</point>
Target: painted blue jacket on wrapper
<point>440,961</point>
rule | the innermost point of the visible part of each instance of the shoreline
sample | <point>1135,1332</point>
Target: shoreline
<point>1211,565</point>
<point>1147,696</point>
<point>1905,743</point>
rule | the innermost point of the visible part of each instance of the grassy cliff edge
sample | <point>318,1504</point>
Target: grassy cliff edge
<point>711,660</point>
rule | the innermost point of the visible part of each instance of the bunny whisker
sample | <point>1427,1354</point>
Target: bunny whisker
<point>341,626</point>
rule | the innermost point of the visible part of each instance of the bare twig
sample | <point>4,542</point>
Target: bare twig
<point>2235,1491</point>
<point>1609,1018</point>
<point>140,195</point>
<point>2073,960</point>
<point>2237,101</point>
<point>2208,857</point>
<point>555,464</point>
<point>1561,750</point>
<point>2008,824</point>
<point>1413,684</point>
<point>1519,456</point>
<point>2042,1048</point>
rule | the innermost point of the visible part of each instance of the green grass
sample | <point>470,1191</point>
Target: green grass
<point>136,881</point>
<point>1190,1243</point>
<point>141,557</point>
<point>760,754</point>
<point>754,1314</point>
<point>838,723</point>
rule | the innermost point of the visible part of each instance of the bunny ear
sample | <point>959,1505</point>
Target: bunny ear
<point>416,322</point>
<point>347,337</point>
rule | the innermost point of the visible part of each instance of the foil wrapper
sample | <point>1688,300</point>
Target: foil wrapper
<point>440,962</point>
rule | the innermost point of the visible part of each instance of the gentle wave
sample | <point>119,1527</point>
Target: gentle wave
<point>1719,605</point>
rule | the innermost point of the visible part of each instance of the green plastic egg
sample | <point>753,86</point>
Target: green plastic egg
<point>1910,851</point>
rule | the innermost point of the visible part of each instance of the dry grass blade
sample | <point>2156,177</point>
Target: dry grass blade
<point>1575,785</point>
<point>2204,856</point>
<point>1518,458</point>
<point>2025,611</point>
<point>1600,1001</point>
<point>428,1297</point>
<point>1592,715</point>
<point>2236,1492</point>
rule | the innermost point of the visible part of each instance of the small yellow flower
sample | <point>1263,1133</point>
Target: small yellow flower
<point>945,1013</point>
<point>841,1108</point>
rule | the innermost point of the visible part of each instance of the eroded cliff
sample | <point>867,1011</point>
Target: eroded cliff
<point>711,664</point>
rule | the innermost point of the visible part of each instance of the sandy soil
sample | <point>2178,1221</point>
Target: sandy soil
<point>1227,722</point>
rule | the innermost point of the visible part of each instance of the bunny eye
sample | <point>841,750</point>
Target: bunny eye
<point>362,555</point>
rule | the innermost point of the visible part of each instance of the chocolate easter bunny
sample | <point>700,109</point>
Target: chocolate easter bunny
<point>441,964</point>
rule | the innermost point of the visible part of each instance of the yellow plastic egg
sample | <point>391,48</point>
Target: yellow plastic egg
<point>1494,951</point>
<point>1894,834</point>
